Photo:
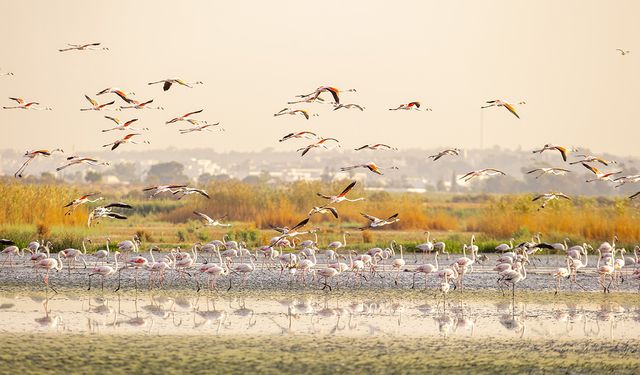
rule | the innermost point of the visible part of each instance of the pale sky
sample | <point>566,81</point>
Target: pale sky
<point>558,56</point>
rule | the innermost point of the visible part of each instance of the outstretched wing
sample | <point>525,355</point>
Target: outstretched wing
<point>300,224</point>
<point>591,168</point>
<point>371,218</point>
<point>205,217</point>
<point>118,205</point>
<point>347,189</point>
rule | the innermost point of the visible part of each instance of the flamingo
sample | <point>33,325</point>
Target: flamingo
<point>550,171</point>
<point>593,159</point>
<point>244,269</point>
<point>167,83</point>
<point>49,264</point>
<point>622,51</point>
<point>426,247</point>
<point>123,125</point>
<point>449,151</point>
<point>299,135</point>
<point>293,112</point>
<point>357,266</point>
<point>370,166</point>
<point>335,245</point>
<point>104,271</point>
<point>501,103</point>
<point>72,255</point>
<point>95,106</point>
<point>31,155</point>
<point>11,251</point>
<point>84,47</point>
<point>318,144</point>
<point>482,172</point>
<point>562,272</point>
<point>397,265</point>
<point>504,247</point>
<point>342,197</point>
<point>513,277</point>
<point>563,150</point>
<point>375,222</point>
<point>604,271</point>
<point>184,191</point>
<point>74,160</point>
<point>328,273</point>
<point>103,255</point>
<point>183,117</point>
<point>376,146</point>
<point>600,176</point>
<point>349,106</point>
<point>335,93</point>
<point>215,271</point>
<point>156,269</point>
<point>425,269</point>
<point>548,197</point>
<point>80,201</point>
<point>627,179</point>
<point>204,127</point>
<point>23,104</point>
<point>126,139</point>
<point>209,222</point>
<point>135,104</point>
<point>409,106</point>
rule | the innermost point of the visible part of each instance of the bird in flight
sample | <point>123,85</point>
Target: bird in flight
<point>184,191</point>
<point>482,172</point>
<point>73,160</point>
<point>349,106</point>
<point>6,74</point>
<point>593,159</point>
<point>323,210</point>
<point>622,51</point>
<point>334,199</point>
<point>80,201</point>
<point>209,222</point>
<point>290,232</point>
<point>308,100</point>
<point>634,196</point>
<point>409,106</point>
<point>627,179</point>
<point>22,104</point>
<point>163,188</point>
<point>289,111</point>
<point>302,134</point>
<point>375,222</point>
<point>501,103</point>
<point>123,126</point>
<point>332,90</point>
<point>320,143</point>
<point>126,139</point>
<point>140,105</point>
<point>95,106</point>
<point>121,94</point>
<point>563,150</point>
<point>167,83</point>
<point>84,47</point>
<point>183,117</point>
<point>370,166</point>
<point>107,211</point>
<point>552,171</point>
<point>599,175</point>
<point>31,155</point>
<point>377,146</point>
<point>204,127</point>
<point>548,197</point>
<point>449,151</point>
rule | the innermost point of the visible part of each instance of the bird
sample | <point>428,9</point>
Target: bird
<point>349,106</point>
<point>126,139</point>
<point>49,264</point>
<point>203,127</point>
<point>409,106</point>
<point>114,90</point>
<point>123,125</point>
<point>513,276</point>
<point>501,103</point>
<point>84,47</point>
<point>375,222</point>
<point>377,146</point>
<point>622,51</point>
<point>334,199</point>
<point>627,179</point>
<point>6,74</point>
<point>31,155</point>
<point>592,159</point>
<point>95,106</point>
<point>370,166</point>
<point>183,117</point>
<point>167,83</point>
<point>550,170</point>
<point>135,104</point>
<point>548,197</point>
<point>104,271</point>
<point>208,221</point>
<point>318,144</point>
<point>163,188</point>
<point>599,175</point>
<point>290,232</point>
<point>302,134</point>
<point>107,211</point>
<point>289,111</point>
<point>561,273</point>
<point>563,150</point>
<point>449,151</point>
<point>482,172</point>
<point>103,254</point>
<point>189,190</point>
<point>634,196</point>
<point>23,104</point>
<point>426,269</point>
<point>335,93</point>
<point>73,160</point>
<point>323,210</point>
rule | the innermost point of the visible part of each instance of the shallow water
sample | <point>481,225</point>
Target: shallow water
<point>328,315</point>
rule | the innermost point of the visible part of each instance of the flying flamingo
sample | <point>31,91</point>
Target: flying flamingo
<point>123,125</point>
<point>204,127</point>
<point>409,106</point>
<point>167,83</point>
<point>22,104</point>
<point>377,146</point>
<point>95,106</point>
<point>548,197</point>
<point>73,160</point>
<point>211,222</point>
<point>31,155</point>
<point>80,201</point>
<point>563,150</point>
<point>126,139</point>
<point>501,103</point>
<point>449,151</point>
<point>551,171</point>
<point>183,117</point>
<point>370,166</point>
<point>332,90</point>
<point>84,47</point>
<point>599,175</point>
<point>342,197</point>
<point>375,222</point>
<point>289,111</point>
<point>135,104</point>
<point>303,134</point>
<point>482,172</point>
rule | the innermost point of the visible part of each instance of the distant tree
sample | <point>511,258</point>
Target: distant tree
<point>166,173</point>
<point>125,172</point>
<point>454,188</point>
<point>47,178</point>
<point>204,178</point>
<point>93,177</point>
<point>440,186</point>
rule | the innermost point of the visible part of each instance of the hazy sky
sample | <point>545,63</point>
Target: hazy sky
<point>558,56</point>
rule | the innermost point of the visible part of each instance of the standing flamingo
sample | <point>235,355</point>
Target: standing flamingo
<point>104,271</point>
